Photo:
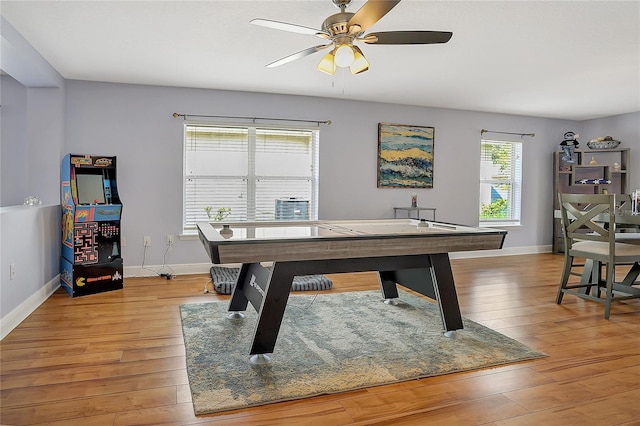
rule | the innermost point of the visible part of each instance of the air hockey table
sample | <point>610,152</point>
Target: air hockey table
<point>409,252</point>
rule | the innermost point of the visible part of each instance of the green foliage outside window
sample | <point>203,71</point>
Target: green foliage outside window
<point>495,210</point>
<point>500,154</point>
<point>220,215</point>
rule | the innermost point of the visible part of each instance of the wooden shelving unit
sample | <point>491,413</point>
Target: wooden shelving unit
<point>593,171</point>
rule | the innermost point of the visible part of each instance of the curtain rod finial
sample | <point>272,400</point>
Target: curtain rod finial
<point>328,122</point>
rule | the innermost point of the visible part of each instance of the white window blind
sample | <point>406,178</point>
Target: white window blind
<point>245,170</point>
<point>500,182</point>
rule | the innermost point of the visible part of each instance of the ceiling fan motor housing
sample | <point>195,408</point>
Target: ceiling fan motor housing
<point>337,24</point>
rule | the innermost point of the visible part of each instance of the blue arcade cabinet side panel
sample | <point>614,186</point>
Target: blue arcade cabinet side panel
<point>91,260</point>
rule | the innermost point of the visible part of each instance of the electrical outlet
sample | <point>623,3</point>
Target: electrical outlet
<point>169,240</point>
<point>12,271</point>
<point>147,241</point>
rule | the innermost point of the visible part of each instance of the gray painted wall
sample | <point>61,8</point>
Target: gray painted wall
<point>32,136</point>
<point>14,148</point>
<point>32,95</point>
<point>135,123</point>
<point>31,242</point>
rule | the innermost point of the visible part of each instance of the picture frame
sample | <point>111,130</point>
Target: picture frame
<point>405,156</point>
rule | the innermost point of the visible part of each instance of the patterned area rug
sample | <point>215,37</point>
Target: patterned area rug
<point>333,343</point>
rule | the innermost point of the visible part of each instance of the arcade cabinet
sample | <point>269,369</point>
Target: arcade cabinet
<point>91,210</point>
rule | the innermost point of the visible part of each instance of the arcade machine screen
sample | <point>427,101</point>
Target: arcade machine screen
<point>90,187</point>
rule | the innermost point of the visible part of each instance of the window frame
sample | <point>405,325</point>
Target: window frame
<point>251,177</point>
<point>514,181</point>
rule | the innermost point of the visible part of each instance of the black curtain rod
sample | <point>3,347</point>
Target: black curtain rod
<point>483,131</point>
<point>176,115</point>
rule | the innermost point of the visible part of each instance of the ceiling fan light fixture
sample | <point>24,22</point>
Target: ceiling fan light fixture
<point>328,63</point>
<point>360,63</point>
<point>341,30</point>
<point>344,55</point>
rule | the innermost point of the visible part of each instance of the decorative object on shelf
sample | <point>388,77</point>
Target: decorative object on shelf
<point>593,181</point>
<point>603,142</point>
<point>616,167</point>
<point>593,162</point>
<point>32,201</point>
<point>414,200</point>
<point>568,145</point>
<point>405,156</point>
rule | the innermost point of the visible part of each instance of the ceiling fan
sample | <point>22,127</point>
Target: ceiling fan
<point>343,29</point>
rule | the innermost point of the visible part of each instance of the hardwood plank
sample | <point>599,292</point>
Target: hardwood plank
<point>103,419</point>
<point>614,410</point>
<point>9,367</point>
<point>72,374</point>
<point>477,412</point>
<point>98,387</point>
<point>409,398</point>
<point>560,393</point>
<point>90,406</point>
<point>330,413</point>
<point>154,352</point>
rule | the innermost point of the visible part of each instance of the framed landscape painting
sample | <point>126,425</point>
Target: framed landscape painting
<point>405,156</point>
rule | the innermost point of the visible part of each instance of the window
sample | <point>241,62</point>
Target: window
<point>248,173</point>
<point>500,182</point>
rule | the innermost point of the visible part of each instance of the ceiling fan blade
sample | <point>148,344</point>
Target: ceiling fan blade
<point>298,55</point>
<point>371,12</point>
<point>408,37</point>
<point>290,27</point>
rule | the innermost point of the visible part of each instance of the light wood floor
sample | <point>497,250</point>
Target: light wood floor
<point>117,358</point>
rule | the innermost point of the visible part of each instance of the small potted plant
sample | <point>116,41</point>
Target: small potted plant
<point>219,215</point>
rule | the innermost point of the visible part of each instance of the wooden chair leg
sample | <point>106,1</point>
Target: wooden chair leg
<point>609,293</point>
<point>599,280</point>
<point>566,269</point>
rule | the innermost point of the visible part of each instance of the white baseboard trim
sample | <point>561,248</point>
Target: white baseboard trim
<point>203,268</point>
<point>156,270</point>
<point>509,251</point>
<point>22,311</point>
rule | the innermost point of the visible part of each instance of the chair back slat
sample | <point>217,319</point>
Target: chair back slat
<point>588,217</point>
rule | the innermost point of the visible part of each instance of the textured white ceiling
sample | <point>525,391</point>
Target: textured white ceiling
<point>563,59</point>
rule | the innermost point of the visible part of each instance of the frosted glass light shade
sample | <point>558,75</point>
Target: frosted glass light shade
<point>359,63</point>
<point>344,55</point>
<point>328,64</point>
